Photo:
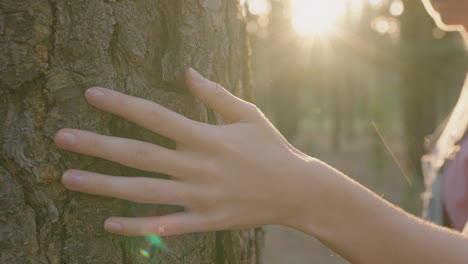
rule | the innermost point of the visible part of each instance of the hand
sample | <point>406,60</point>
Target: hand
<point>226,176</point>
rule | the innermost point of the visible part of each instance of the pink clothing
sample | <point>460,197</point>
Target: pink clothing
<point>454,187</point>
<point>455,192</point>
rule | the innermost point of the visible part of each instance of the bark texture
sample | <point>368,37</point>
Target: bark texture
<point>51,51</point>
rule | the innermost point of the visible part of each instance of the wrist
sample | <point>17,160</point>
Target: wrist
<point>315,188</point>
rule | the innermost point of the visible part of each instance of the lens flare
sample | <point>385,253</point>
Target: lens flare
<point>144,253</point>
<point>156,242</point>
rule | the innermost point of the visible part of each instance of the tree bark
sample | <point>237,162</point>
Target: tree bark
<point>51,51</point>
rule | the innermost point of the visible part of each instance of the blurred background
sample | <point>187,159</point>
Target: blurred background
<point>359,84</point>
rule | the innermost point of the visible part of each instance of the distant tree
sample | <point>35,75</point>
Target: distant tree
<point>287,71</point>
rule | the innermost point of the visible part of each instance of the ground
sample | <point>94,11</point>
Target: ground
<point>355,158</point>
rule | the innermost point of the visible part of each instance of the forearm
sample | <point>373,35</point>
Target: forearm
<point>364,228</point>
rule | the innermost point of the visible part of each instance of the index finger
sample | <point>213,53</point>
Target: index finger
<point>148,114</point>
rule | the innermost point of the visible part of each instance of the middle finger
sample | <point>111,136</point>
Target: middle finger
<point>149,115</point>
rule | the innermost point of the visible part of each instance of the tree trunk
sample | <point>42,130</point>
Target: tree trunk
<point>51,51</point>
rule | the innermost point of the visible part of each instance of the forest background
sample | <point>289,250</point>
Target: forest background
<point>360,84</point>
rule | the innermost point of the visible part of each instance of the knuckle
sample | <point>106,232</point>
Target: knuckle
<point>219,90</point>
<point>228,146</point>
<point>220,219</point>
<point>104,183</point>
<point>226,143</point>
<point>148,190</point>
<point>219,93</point>
<point>252,110</point>
<point>122,99</point>
<point>141,156</point>
<point>98,181</point>
<point>153,227</point>
<point>155,116</point>
<point>213,200</point>
<point>92,142</point>
<point>198,130</point>
<point>208,168</point>
<point>198,202</point>
<point>119,101</point>
<point>216,134</point>
<point>189,198</point>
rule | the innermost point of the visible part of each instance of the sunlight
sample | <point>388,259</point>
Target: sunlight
<point>376,2</point>
<point>397,7</point>
<point>315,17</point>
<point>259,7</point>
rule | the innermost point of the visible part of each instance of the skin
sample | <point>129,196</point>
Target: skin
<point>246,174</point>
<point>449,15</point>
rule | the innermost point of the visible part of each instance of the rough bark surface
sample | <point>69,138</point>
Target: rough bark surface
<point>51,51</point>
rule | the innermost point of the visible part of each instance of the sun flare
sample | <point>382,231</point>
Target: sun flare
<point>315,17</point>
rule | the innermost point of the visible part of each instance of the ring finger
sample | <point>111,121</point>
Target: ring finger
<point>135,189</point>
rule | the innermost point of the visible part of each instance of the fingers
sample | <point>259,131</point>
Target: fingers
<point>167,225</point>
<point>128,152</point>
<point>147,114</point>
<point>232,108</point>
<point>135,189</point>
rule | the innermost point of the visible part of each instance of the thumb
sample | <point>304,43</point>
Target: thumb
<point>218,98</point>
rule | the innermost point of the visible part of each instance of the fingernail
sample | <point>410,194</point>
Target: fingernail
<point>94,94</point>
<point>66,139</point>
<point>113,227</point>
<point>72,180</point>
<point>196,76</point>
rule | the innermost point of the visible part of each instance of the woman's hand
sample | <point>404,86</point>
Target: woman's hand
<point>226,176</point>
<point>246,174</point>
